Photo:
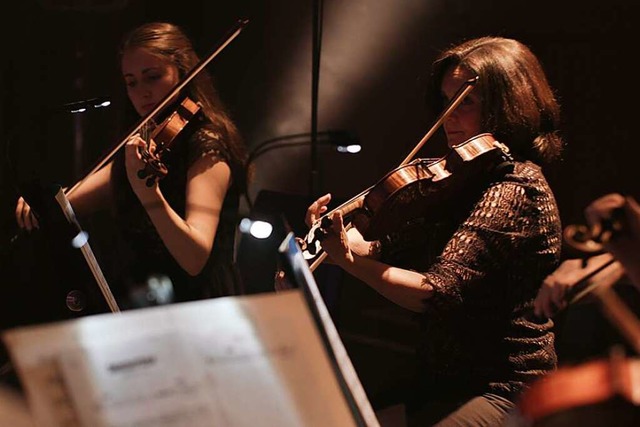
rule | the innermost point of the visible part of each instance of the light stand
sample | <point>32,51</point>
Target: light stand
<point>314,174</point>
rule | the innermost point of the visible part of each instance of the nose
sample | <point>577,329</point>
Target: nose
<point>140,91</point>
<point>454,114</point>
<point>452,118</point>
<point>145,92</point>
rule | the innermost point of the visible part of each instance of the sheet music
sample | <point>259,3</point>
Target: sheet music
<point>48,394</point>
<point>110,383</point>
<point>237,361</point>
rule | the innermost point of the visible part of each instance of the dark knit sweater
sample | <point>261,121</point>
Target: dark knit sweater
<point>485,259</point>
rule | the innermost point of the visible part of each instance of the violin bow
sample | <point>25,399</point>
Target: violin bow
<point>460,95</point>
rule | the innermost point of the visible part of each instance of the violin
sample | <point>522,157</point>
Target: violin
<point>581,243</point>
<point>164,136</point>
<point>598,392</point>
<point>413,189</point>
<point>410,190</point>
<point>417,188</point>
<point>420,188</point>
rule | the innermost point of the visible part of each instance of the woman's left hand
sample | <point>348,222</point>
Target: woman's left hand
<point>336,241</point>
<point>135,163</point>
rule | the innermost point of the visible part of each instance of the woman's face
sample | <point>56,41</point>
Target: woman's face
<point>466,120</point>
<point>148,78</point>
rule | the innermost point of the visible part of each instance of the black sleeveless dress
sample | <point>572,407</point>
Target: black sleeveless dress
<point>145,259</point>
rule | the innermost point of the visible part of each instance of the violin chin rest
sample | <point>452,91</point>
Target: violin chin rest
<point>505,167</point>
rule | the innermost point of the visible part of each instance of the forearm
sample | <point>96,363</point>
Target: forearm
<point>93,194</point>
<point>405,288</point>
<point>186,243</point>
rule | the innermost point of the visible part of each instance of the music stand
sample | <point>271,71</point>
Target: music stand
<point>297,269</point>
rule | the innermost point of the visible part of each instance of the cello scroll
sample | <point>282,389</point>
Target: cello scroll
<point>586,241</point>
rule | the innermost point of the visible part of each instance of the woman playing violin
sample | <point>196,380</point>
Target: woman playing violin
<point>471,274</point>
<point>181,226</point>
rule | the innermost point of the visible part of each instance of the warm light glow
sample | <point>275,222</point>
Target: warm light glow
<point>361,42</point>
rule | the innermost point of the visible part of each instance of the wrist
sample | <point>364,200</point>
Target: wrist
<point>148,195</point>
<point>347,262</point>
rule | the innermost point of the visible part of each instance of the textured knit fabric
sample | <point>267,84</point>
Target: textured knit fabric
<point>485,257</point>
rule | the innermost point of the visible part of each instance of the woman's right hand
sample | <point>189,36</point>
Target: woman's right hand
<point>25,217</point>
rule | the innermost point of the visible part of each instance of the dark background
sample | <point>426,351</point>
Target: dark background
<point>374,70</point>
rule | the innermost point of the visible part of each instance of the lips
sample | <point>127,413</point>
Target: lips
<point>455,138</point>
<point>455,134</point>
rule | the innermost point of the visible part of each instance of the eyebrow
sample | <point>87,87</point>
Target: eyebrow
<point>144,71</point>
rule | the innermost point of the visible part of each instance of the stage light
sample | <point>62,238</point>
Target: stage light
<point>257,228</point>
<point>344,141</point>
<point>83,105</point>
<point>80,240</point>
<point>351,149</point>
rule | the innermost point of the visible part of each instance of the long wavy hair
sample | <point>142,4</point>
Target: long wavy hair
<point>169,42</point>
<point>518,105</point>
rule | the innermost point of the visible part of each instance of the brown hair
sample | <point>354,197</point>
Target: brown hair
<point>170,42</point>
<point>518,106</point>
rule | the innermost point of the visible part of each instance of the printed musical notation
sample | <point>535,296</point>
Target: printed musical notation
<point>231,361</point>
